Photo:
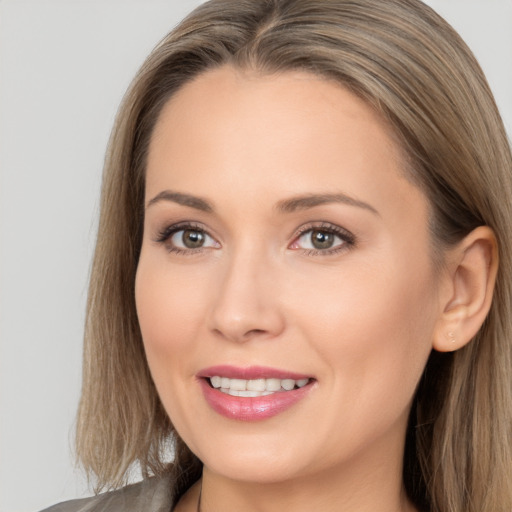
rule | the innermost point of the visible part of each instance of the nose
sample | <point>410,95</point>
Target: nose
<point>246,305</point>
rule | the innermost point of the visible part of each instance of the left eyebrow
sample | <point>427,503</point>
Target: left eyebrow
<point>311,200</point>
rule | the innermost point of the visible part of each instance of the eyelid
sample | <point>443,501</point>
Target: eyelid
<point>163,236</point>
<point>168,230</point>
<point>349,240</point>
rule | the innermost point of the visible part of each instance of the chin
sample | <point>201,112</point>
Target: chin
<point>255,459</point>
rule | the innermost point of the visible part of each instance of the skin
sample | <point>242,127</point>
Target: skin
<point>361,321</point>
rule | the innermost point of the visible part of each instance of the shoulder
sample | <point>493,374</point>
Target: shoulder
<point>151,495</point>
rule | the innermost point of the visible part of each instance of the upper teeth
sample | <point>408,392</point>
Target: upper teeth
<point>255,387</point>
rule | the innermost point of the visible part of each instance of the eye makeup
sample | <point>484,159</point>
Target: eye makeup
<point>193,240</point>
<point>322,239</point>
<point>311,239</point>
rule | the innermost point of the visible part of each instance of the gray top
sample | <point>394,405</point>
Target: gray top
<point>151,495</point>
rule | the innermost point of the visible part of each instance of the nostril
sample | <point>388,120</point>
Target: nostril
<point>253,332</point>
<point>242,336</point>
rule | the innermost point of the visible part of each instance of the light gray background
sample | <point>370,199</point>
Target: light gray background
<point>64,66</point>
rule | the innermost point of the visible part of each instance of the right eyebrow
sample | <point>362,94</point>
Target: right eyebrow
<point>183,199</point>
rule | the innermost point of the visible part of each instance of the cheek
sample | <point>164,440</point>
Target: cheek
<point>169,313</point>
<point>375,328</point>
<point>168,309</point>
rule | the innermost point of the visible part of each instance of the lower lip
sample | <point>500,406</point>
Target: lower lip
<point>252,408</point>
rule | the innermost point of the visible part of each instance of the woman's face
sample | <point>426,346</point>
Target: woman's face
<point>283,248</point>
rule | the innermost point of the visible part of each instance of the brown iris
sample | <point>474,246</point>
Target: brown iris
<point>322,239</point>
<point>192,239</point>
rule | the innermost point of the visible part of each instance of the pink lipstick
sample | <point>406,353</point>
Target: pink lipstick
<point>253,393</point>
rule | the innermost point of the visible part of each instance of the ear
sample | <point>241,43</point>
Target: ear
<point>465,301</point>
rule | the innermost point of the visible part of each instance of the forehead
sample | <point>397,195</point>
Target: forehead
<point>228,94</point>
<point>230,131</point>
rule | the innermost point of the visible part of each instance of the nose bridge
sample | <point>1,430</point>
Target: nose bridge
<point>245,305</point>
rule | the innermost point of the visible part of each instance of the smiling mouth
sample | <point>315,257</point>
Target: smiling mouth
<point>255,387</point>
<point>253,393</point>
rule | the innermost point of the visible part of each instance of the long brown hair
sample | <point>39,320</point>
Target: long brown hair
<point>416,72</point>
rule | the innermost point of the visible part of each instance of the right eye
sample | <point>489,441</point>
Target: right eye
<point>191,239</point>
<point>186,239</point>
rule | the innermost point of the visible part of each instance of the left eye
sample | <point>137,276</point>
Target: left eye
<point>191,239</point>
<point>318,239</point>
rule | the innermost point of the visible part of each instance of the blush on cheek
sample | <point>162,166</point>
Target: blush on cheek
<point>161,308</point>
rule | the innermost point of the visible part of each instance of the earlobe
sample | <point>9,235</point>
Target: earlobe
<point>472,273</point>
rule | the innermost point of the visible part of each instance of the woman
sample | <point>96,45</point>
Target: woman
<point>301,281</point>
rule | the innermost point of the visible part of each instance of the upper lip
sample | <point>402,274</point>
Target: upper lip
<point>250,372</point>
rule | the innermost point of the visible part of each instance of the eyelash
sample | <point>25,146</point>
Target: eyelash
<point>348,238</point>
<point>167,233</point>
